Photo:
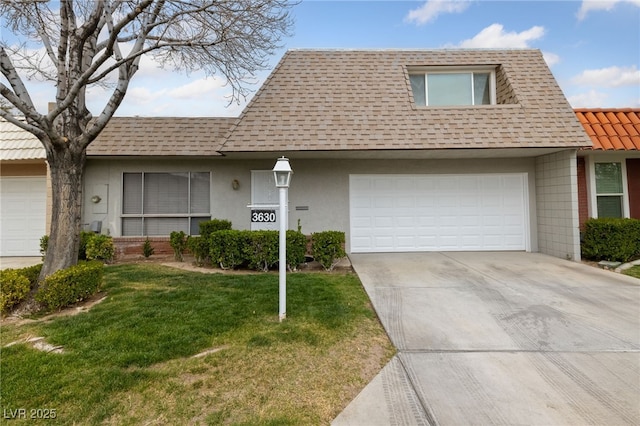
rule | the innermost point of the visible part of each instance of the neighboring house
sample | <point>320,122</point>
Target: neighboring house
<point>24,202</point>
<point>609,172</point>
<point>403,150</point>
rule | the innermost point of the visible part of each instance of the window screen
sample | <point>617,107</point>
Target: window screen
<point>159,203</point>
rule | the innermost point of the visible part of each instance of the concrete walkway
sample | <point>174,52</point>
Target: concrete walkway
<point>501,338</point>
<point>18,262</point>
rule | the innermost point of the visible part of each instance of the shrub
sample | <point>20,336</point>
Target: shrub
<point>261,250</point>
<point>44,244</point>
<point>227,248</point>
<point>14,288</point>
<point>32,273</point>
<point>214,225</point>
<point>84,239</point>
<point>82,249</point>
<point>178,241</point>
<point>100,247</point>
<point>71,285</point>
<point>199,247</point>
<point>147,248</point>
<point>611,239</point>
<point>328,248</point>
<point>296,249</point>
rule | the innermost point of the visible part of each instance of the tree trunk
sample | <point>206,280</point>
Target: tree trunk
<point>67,173</point>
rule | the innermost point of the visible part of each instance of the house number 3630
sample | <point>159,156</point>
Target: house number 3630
<point>263,216</point>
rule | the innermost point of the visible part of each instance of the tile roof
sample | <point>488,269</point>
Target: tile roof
<point>612,129</point>
<point>161,136</point>
<point>18,144</point>
<point>316,100</point>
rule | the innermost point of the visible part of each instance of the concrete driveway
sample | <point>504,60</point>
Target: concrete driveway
<point>501,338</point>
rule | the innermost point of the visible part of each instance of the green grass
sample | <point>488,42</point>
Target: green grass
<point>634,271</point>
<point>129,360</point>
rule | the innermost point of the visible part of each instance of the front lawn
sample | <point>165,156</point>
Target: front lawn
<point>634,271</point>
<point>174,347</point>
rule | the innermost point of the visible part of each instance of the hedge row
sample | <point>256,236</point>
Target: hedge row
<point>259,250</point>
<point>611,239</point>
<point>61,289</point>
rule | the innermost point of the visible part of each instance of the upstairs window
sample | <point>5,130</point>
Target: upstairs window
<point>438,88</point>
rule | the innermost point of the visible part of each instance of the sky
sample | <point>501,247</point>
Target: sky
<point>591,47</point>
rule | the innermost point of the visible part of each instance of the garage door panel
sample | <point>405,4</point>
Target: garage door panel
<point>22,215</point>
<point>438,212</point>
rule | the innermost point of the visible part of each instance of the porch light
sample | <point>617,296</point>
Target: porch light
<point>282,173</point>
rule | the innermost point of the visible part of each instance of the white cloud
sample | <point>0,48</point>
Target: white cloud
<point>590,99</point>
<point>494,36</point>
<point>196,89</point>
<point>606,5</point>
<point>430,10</point>
<point>609,77</point>
<point>550,58</point>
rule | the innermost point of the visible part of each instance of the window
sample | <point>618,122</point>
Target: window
<point>453,88</point>
<point>609,189</point>
<point>160,203</point>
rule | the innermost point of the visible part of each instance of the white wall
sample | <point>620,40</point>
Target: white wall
<point>322,186</point>
<point>557,194</point>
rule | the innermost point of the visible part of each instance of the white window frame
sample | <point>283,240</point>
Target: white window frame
<point>143,215</point>
<point>592,191</point>
<point>457,70</point>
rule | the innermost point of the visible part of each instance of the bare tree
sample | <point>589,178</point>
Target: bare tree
<point>89,42</point>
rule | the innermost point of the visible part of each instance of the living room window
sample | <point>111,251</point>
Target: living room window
<point>448,88</point>
<point>156,204</point>
<point>609,189</point>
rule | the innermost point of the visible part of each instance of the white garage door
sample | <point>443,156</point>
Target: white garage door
<point>396,213</point>
<point>22,215</point>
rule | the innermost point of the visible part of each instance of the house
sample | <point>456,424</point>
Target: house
<point>609,172</point>
<point>403,150</point>
<point>25,192</point>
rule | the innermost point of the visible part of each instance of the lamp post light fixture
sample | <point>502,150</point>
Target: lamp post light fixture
<point>282,173</point>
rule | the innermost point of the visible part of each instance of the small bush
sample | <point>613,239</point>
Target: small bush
<point>199,248</point>
<point>85,236</point>
<point>100,247</point>
<point>32,273</point>
<point>227,248</point>
<point>147,248</point>
<point>296,249</point>
<point>84,239</point>
<point>178,241</point>
<point>214,225</point>
<point>44,244</point>
<point>68,286</point>
<point>328,248</point>
<point>262,251</point>
<point>611,239</point>
<point>14,288</point>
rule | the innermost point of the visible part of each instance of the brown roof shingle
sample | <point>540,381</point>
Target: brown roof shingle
<point>317,100</point>
<point>612,129</point>
<point>160,136</point>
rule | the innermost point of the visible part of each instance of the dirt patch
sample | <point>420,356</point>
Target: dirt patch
<point>76,309</point>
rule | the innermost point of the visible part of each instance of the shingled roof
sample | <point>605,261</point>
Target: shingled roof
<point>131,136</point>
<point>18,144</point>
<point>161,136</point>
<point>318,100</point>
<point>612,129</point>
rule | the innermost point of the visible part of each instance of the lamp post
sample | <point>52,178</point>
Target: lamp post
<point>282,173</point>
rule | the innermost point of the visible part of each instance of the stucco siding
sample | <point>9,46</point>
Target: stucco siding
<point>319,193</point>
